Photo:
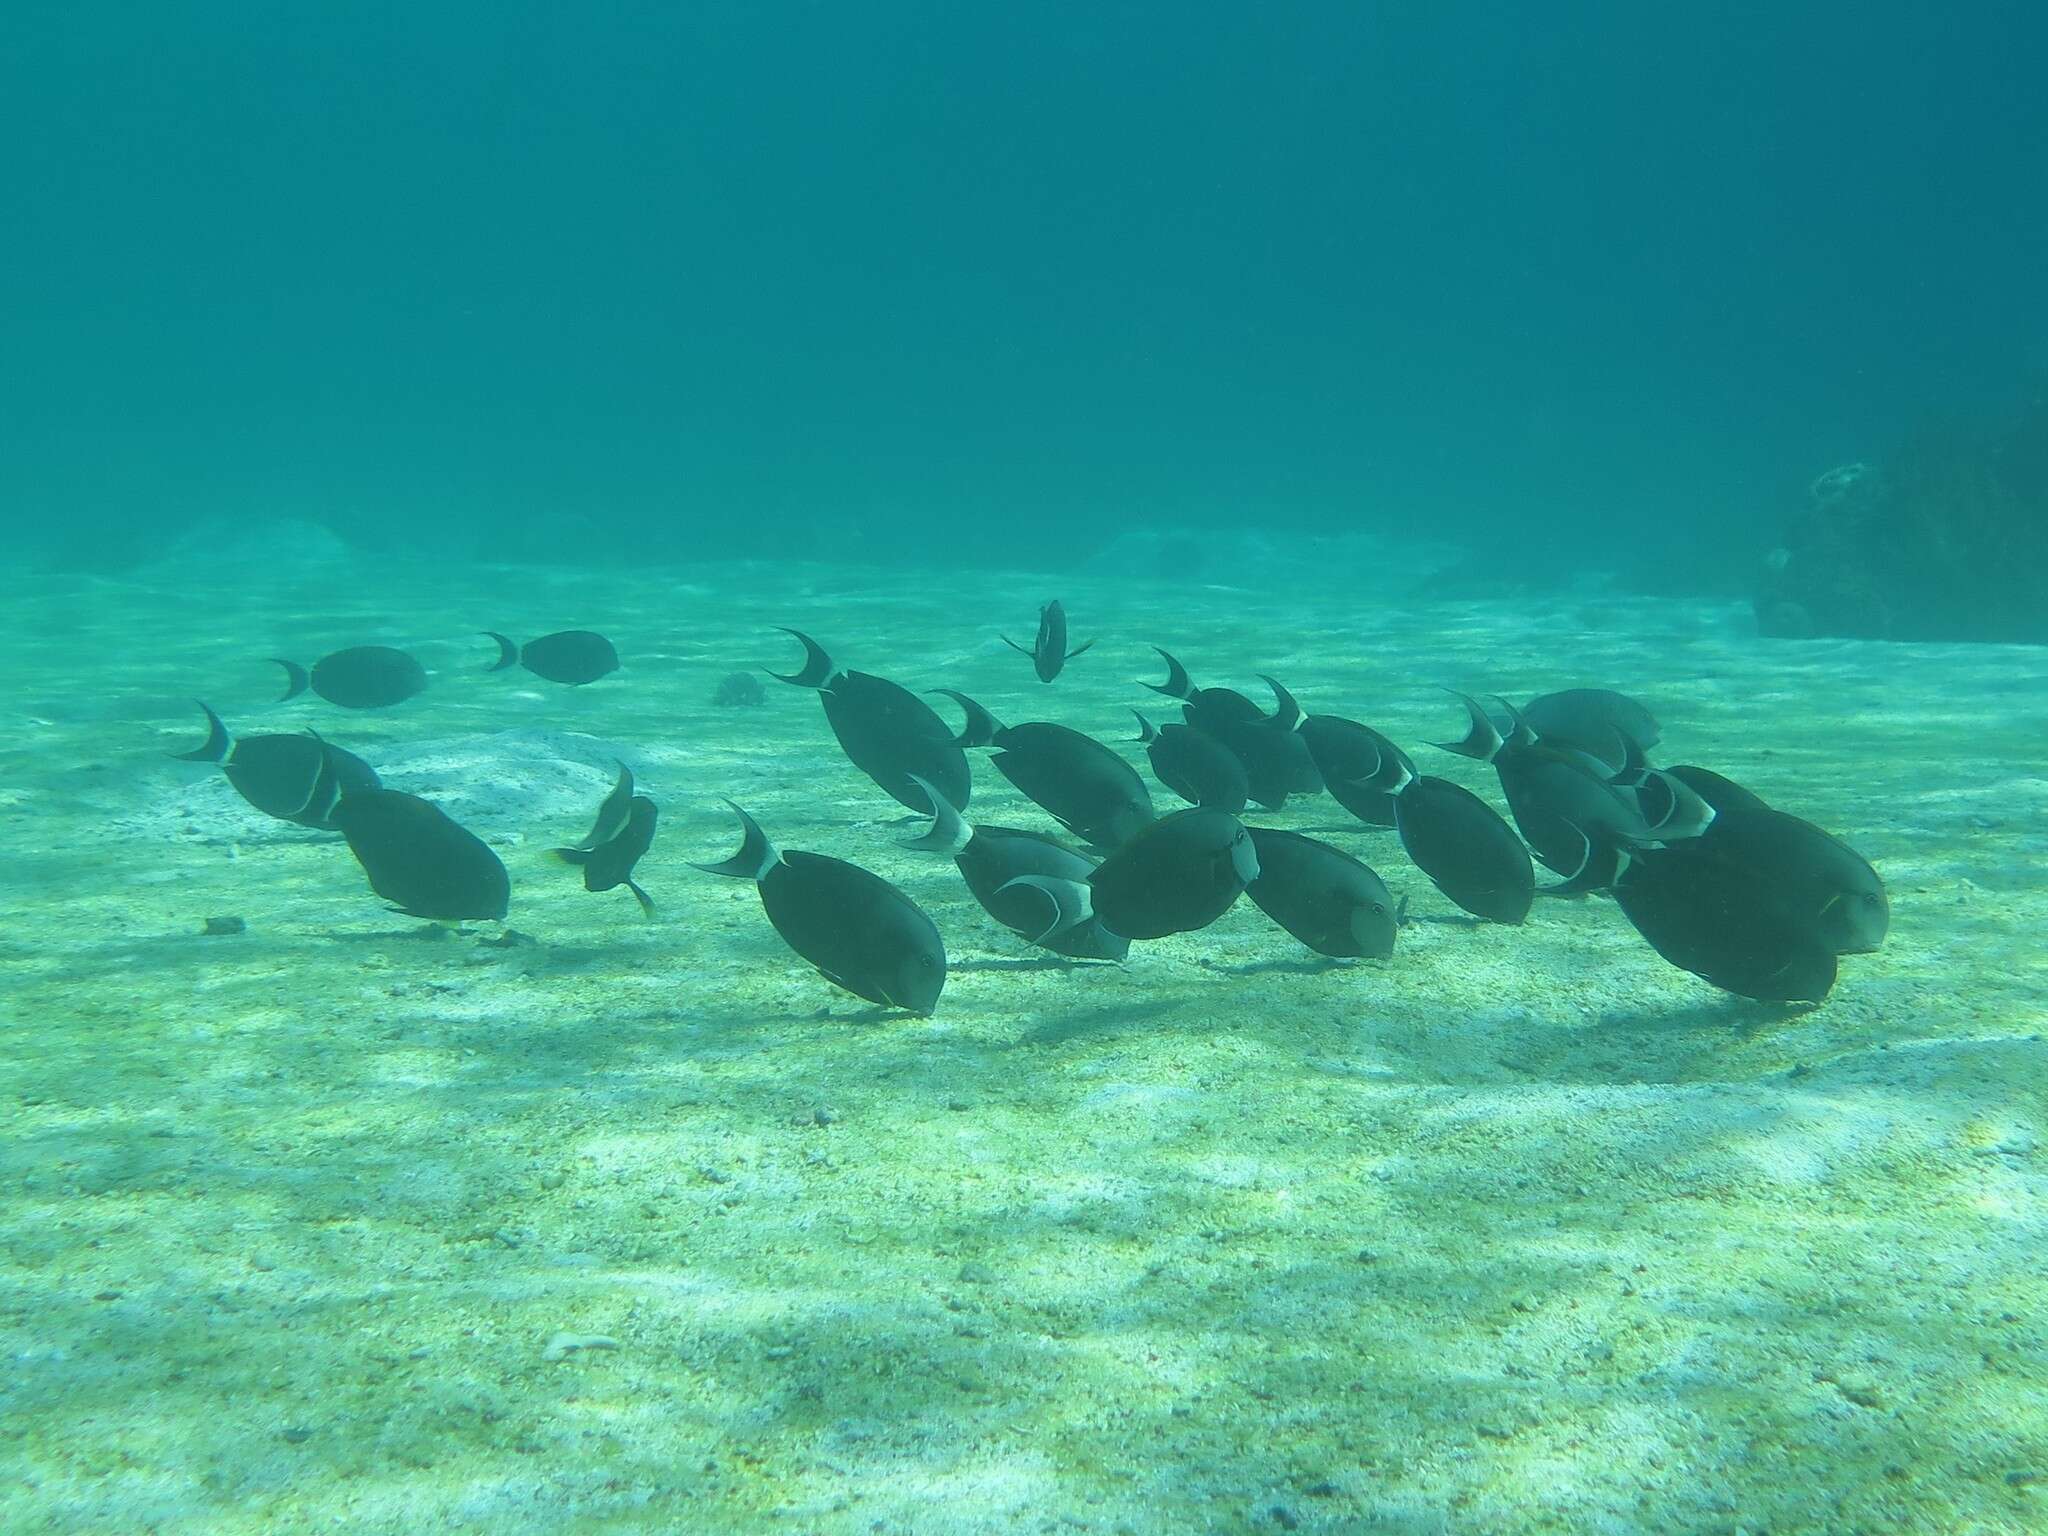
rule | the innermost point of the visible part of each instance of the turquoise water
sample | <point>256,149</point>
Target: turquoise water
<point>1487,349</point>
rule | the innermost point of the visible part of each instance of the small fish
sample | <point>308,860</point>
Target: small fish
<point>1276,760</point>
<point>1075,779</point>
<point>1598,721</point>
<point>571,656</point>
<point>420,860</point>
<point>989,858</point>
<point>1604,725</point>
<point>361,677</point>
<point>1195,765</point>
<point>607,862</point>
<point>861,933</point>
<point>1180,873</point>
<point>1049,653</point>
<point>1362,769</point>
<point>886,731</point>
<point>1721,921</point>
<point>294,778</point>
<point>1466,849</point>
<point>1323,896</point>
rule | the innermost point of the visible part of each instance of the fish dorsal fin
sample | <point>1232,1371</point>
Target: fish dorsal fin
<point>756,856</point>
<point>1178,685</point>
<point>948,834</point>
<point>614,813</point>
<point>1073,901</point>
<point>217,745</point>
<point>1482,740</point>
<point>818,670</point>
<point>981,728</point>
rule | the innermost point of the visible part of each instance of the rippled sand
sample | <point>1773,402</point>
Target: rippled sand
<point>1522,1230</point>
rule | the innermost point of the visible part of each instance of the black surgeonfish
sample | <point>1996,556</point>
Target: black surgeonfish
<point>1817,883</point>
<point>612,812</point>
<point>621,835</point>
<point>1049,653</point>
<point>1276,760</point>
<point>989,858</point>
<point>861,933</point>
<point>571,656</point>
<point>421,860</point>
<point>1180,873</point>
<point>294,778</point>
<point>1323,896</point>
<point>1194,765</point>
<point>886,731</point>
<point>1723,923</point>
<point>1579,815</point>
<point>1466,849</point>
<point>1612,728</point>
<point>1361,769</point>
<point>361,677</point>
<point>1073,778</point>
<point>1721,793</point>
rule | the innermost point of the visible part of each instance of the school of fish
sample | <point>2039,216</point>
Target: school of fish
<point>1750,898</point>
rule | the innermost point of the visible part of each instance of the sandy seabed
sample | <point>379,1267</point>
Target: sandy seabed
<point>345,1223</point>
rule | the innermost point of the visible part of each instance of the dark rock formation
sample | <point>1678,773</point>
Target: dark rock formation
<point>1948,540</point>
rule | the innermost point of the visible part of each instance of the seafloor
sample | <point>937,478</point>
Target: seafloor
<point>1522,1230</point>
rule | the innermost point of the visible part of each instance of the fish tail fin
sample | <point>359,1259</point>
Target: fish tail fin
<point>573,855</point>
<point>948,833</point>
<point>646,901</point>
<point>217,744</point>
<point>1482,740</point>
<point>1287,711</point>
<point>1147,731</point>
<point>1073,901</point>
<point>1672,807</point>
<point>508,653</point>
<point>981,727</point>
<point>1077,650</point>
<point>296,679</point>
<point>1178,684</point>
<point>756,856</point>
<point>818,669</point>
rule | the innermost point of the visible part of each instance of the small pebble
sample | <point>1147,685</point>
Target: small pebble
<point>972,1273</point>
<point>563,1345</point>
<point>823,1115</point>
<point>296,1434</point>
<point>221,927</point>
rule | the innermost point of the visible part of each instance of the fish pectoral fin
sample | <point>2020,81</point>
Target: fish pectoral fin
<point>1077,650</point>
<point>1021,650</point>
<point>1073,901</point>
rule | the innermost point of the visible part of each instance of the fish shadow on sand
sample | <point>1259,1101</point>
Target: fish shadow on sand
<point>1094,1023</point>
<point>1299,965</point>
<point>1029,963</point>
